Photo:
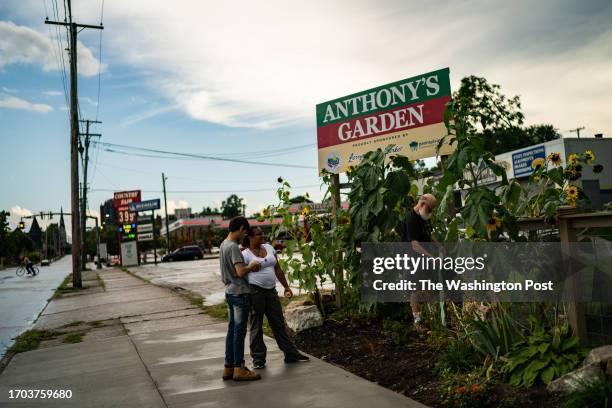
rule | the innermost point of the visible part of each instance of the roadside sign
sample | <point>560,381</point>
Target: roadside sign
<point>145,227</point>
<point>129,253</point>
<point>145,237</point>
<point>408,114</point>
<point>121,202</point>
<point>526,161</point>
<point>147,205</point>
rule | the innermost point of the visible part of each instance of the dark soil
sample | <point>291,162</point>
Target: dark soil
<point>364,348</point>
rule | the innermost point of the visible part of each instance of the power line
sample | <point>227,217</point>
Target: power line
<point>237,191</point>
<point>112,148</point>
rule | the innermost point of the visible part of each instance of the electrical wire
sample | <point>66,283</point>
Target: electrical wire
<point>236,191</point>
<point>164,154</point>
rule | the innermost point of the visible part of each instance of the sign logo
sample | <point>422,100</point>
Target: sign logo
<point>414,145</point>
<point>333,161</point>
<point>527,161</point>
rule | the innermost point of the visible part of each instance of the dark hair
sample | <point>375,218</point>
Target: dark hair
<point>237,222</point>
<point>246,242</point>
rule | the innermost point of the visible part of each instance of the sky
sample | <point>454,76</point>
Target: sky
<point>241,80</point>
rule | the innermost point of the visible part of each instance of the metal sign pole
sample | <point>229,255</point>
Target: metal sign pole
<point>154,239</point>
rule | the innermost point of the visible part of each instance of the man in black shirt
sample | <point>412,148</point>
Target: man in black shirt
<point>417,230</point>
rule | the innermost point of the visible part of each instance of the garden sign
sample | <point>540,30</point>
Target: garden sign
<point>408,114</point>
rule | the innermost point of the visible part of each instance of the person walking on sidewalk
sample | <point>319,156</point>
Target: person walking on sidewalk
<point>237,295</point>
<point>264,300</point>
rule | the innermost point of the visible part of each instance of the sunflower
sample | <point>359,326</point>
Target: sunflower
<point>598,168</point>
<point>571,193</point>
<point>493,224</point>
<point>305,211</point>
<point>266,212</point>
<point>555,158</point>
<point>280,179</point>
<point>572,158</point>
<point>589,156</point>
<point>537,163</point>
<point>285,195</point>
<point>350,169</point>
<point>572,174</point>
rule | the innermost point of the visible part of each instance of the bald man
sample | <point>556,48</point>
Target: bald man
<point>416,230</point>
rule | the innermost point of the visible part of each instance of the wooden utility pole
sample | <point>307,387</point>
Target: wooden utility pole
<point>166,211</point>
<point>85,155</point>
<point>577,131</point>
<point>339,270</point>
<point>74,141</point>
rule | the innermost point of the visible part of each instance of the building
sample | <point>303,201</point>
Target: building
<point>519,165</point>
<point>63,240</point>
<point>183,213</point>
<point>35,234</point>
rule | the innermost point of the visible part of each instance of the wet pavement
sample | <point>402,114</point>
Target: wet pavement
<point>201,277</point>
<point>146,346</point>
<point>22,298</point>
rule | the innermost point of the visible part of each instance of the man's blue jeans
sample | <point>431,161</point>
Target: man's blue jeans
<point>238,307</point>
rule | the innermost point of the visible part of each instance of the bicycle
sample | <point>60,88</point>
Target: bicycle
<point>21,270</point>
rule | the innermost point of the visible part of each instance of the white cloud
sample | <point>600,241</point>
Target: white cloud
<point>9,90</point>
<point>174,204</point>
<point>12,102</point>
<point>16,212</point>
<point>88,100</point>
<point>22,45</point>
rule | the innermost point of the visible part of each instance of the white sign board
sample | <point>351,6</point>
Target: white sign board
<point>145,227</point>
<point>145,237</point>
<point>129,253</point>
<point>103,251</point>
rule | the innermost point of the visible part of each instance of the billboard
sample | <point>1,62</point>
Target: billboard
<point>408,114</point>
<point>121,202</point>
<point>526,161</point>
<point>144,205</point>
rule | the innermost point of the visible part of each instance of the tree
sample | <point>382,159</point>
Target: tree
<point>232,207</point>
<point>504,140</point>
<point>210,211</point>
<point>4,236</point>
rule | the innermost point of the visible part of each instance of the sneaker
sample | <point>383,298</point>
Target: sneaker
<point>228,373</point>
<point>259,364</point>
<point>244,374</point>
<point>297,358</point>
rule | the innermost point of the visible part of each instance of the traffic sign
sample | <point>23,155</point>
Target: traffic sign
<point>145,237</point>
<point>147,205</point>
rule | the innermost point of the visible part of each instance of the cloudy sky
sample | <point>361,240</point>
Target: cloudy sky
<point>239,79</point>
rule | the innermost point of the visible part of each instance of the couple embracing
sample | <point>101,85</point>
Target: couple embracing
<point>250,292</point>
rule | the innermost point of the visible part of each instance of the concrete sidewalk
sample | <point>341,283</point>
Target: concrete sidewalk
<point>146,346</point>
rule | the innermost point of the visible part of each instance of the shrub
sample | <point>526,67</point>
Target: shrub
<point>458,357</point>
<point>543,356</point>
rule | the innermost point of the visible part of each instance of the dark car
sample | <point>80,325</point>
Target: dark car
<point>184,254</point>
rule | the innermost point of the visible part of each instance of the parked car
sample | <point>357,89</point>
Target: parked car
<point>184,253</point>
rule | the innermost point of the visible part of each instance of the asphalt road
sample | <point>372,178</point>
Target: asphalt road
<point>23,298</point>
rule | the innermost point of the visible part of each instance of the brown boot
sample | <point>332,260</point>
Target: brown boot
<point>244,374</point>
<point>228,373</point>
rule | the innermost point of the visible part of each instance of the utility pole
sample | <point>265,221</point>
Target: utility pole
<point>84,150</point>
<point>164,178</point>
<point>577,131</point>
<point>74,139</point>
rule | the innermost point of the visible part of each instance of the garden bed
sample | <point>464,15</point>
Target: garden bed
<point>368,349</point>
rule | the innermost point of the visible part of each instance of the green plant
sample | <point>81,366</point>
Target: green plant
<point>595,394</point>
<point>399,332</point>
<point>31,339</point>
<point>74,338</point>
<point>543,356</point>
<point>458,357</point>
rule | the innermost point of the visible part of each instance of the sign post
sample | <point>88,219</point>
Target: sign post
<point>146,232</point>
<point>127,219</point>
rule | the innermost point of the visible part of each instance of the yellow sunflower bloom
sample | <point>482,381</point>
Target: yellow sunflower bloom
<point>571,192</point>
<point>589,156</point>
<point>493,224</point>
<point>305,211</point>
<point>555,158</point>
<point>572,158</point>
<point>537,163</point>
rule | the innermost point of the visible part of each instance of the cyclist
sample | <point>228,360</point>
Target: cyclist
<point>29,266</point>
